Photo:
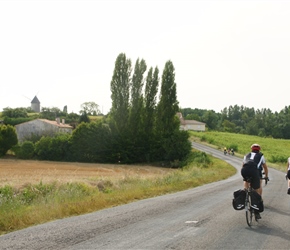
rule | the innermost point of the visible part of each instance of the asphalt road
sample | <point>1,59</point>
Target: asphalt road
<point>199,218</point>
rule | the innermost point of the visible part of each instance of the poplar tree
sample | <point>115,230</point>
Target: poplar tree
<point>149,114</point>
<point>168,104</point>
<point>174,145</point>
<point>137,98</point>
<point>120,93</point>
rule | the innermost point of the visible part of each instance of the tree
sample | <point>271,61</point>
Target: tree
<point>84,117</point>
<point>149,114</point>
<point>91,108</point>
<point>15,113</point>
<point>91,142</point>
<point>168,104</point>
<point>120,86</point>
<point>136,106</point>
<point>170,138</point>
<point>150,100</point>
<point>8,138</point>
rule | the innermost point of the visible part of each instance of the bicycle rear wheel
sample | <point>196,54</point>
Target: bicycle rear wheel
<point>249,211</point>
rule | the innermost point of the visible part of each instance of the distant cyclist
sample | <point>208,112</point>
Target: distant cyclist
<point>253,165</point>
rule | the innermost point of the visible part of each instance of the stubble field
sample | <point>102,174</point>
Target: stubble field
<point>17,173</point>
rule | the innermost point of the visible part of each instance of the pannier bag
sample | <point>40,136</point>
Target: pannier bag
<point>239,199</point>
<point>257,202</point>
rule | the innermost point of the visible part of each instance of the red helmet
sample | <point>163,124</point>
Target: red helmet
<point>255,147</point>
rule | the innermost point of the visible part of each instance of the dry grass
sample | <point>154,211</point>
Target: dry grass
<point>17,173</point>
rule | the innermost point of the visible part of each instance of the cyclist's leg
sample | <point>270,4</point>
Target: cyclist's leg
<point>246,185</point>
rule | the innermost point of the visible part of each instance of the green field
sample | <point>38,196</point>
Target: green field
<point>276,151</point>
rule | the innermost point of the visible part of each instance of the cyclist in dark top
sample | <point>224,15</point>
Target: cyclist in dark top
<point>253,165</point>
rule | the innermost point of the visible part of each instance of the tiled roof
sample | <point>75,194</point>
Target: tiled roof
<point>61,125</point>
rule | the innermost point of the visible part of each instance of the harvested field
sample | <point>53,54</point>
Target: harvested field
<point>17,173</point>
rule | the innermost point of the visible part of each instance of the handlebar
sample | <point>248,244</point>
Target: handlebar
<point>266,180</point>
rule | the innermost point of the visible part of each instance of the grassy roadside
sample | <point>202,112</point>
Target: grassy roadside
<point>35,204</point>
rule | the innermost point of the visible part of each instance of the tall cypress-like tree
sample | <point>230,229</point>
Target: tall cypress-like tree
<point>150,99</point>
<point>173,143</point>
<point>135,116</point>
<point>168,104</point>
<point>119,114</point>
<point>137,98</point>
<point>149,114</point>
<point>120,93</point>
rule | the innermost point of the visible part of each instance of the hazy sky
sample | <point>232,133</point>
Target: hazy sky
<point>224,52</point>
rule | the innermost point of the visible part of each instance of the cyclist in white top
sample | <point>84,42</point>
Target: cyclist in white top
<point>288,174</point>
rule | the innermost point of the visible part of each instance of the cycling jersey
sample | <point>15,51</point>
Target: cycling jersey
<point>255,159</point>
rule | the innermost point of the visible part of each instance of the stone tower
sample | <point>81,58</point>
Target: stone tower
<point>35,105</point>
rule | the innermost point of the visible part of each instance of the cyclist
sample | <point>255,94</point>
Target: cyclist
<point>253,165</point>
<point>288,174</point>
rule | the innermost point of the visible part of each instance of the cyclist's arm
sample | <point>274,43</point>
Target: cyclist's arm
<point>265,167</point>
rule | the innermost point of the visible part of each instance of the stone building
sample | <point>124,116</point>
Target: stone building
<point>41,127</point>
<point>190,124</point>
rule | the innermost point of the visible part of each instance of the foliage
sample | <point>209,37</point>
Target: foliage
<point>8,138</point>
<point>244,120</point>
<point>120,93</point>
<point>142,129</point>
<point>51,113</point>
<point>16,121</point>
<point>84,118</point>
<point>91,142</point>
<point>25,150</point>
<point>199,158</point>
<point>15,113</point>
<point>90,108</point>
<point>53,148</point>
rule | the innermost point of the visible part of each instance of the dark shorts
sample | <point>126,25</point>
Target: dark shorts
<point>288,174</point>
<point>250,171</point>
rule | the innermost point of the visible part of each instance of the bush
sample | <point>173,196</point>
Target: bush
<point>8,138</point>
<point>25,151</point>
<point>53,148</point>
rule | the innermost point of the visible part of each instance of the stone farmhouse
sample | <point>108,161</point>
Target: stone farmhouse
<point>41,127</point>
<point>190,124</point>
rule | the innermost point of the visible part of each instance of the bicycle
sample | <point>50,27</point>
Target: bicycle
<point>250,212</point>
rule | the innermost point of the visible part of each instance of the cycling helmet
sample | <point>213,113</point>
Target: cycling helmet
<point>255,147</point>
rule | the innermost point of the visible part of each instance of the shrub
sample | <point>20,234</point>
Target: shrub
<point>8,138</point>
<point>25,151</point>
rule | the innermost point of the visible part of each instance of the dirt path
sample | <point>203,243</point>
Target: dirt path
<point>20,172</point>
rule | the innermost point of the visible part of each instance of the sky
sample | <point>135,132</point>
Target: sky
<point>225,53</point>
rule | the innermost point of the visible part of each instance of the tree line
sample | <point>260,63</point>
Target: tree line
<point>244,120</point>
<point>140,127</point>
